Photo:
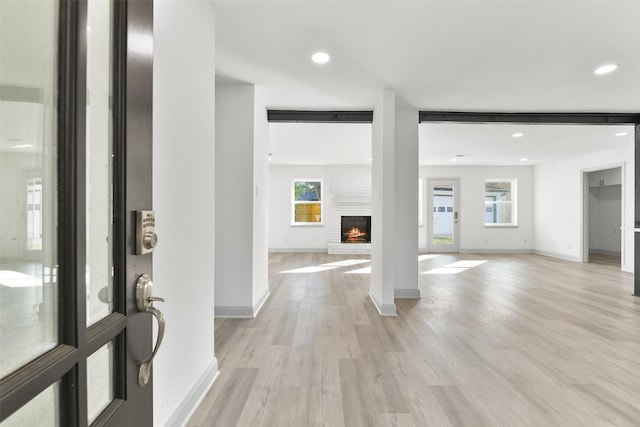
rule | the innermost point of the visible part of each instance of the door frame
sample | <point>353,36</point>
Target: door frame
<point>127,328</point>
<point>560,118</point>
<point>431,247</point>
<point>584,177</point>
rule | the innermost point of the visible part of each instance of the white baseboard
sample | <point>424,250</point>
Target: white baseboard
<point>496,251</point>
<point>258,306</point>
<point>242,311</point>
<point>192,400</point>
<point>557,255</point>
<point>413,293</point>
<point>234,311</point>
<point>604,252</point>
<point>383,309</point>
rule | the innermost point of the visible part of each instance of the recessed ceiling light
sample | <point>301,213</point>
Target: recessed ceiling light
<point>320,57</point>
<point>621,133</point>
<point>517,134</point>
<point>605,69</point>
<point>454,160</point>
<point>524,159</point>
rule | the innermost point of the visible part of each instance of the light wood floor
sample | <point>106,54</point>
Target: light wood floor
<point>521,340</point>
<point>599,258</point>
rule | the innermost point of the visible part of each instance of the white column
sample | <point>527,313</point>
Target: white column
<point>383,241</point>
<point>241,202</point>
<point>406,204</point>
<point>394,235</point>
<point>261,202</point>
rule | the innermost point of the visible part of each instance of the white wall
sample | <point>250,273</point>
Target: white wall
<point>183,178</point>
<point>558,213</point>
<point>282,235</point>
<point>234,192</point>
<point>473,235</point>
<point>339,181</point>
<point>242,200</point>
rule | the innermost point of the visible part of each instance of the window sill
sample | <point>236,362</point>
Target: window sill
<point>501,225</point>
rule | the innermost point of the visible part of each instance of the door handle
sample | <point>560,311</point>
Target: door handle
<point>144,301</point>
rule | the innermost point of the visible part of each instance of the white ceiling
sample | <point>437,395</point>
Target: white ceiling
<point>480,144</point>
<point>483,55</point>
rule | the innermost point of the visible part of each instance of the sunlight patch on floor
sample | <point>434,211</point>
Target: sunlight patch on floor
<point>366,270</point>
<point>465,264</point>
<point>316,269</point>
<point>456,267</point>
<point>346,263</point>
<point>429,256</point>
<point>445,270</point>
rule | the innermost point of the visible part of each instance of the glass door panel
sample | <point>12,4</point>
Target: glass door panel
<point>28,202</point>
<point>41,411</point>
<point>69,350</point>
<point>100,374</point>
<point>443,224</point>
<point>99,168</point>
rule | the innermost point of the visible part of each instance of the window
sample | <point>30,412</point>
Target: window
<point>500,202</point>
<point>34,214</point>
<point>307,202</point>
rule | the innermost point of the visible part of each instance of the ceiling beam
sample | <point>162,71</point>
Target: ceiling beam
<point>306,116</point>
<point>530,118</point>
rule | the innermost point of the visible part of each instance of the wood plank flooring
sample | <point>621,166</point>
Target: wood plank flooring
<point>520,340</point>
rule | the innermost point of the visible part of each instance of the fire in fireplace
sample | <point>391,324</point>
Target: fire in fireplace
<point>355,229</point>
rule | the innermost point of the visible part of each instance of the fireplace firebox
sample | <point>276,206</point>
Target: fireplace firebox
<point>355,229</point>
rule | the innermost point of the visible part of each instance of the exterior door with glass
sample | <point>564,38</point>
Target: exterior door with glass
<point>75,169</point>
<point>443,215</point>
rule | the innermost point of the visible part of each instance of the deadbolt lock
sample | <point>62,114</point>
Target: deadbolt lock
<point>146,238</point>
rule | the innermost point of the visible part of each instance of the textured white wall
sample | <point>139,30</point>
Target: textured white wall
<point>558,213</point>
<point>473,235</point>
<point>183,183</point>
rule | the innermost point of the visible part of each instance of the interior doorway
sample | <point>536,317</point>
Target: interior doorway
<point>602,216</point>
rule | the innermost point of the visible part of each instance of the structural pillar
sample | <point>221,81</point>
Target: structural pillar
<point>406,204</point>
<point>241,177</point>
<point>394,243</point>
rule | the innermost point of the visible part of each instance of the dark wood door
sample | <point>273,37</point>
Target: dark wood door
<point>76,100</point>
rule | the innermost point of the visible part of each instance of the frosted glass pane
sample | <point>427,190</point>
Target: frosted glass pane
<point>99,381</point>
<point>99,161</point>
<point>28,184</point>
<point>42,411</point>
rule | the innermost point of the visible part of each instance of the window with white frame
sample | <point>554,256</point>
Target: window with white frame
<point>500,202</point>
<point>307,202</point>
